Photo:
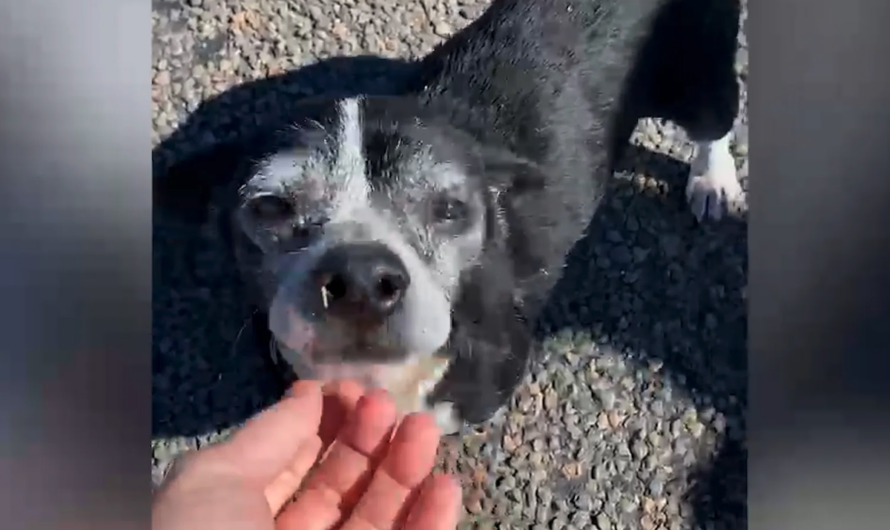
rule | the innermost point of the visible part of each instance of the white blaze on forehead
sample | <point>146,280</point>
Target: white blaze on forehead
<point>345,173</point>
<point>349,167</point>
<point>350,134</point>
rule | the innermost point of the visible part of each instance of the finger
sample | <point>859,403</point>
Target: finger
<point>340,400</point>
<point>288,482</point>
<point>269,442</point>
<point>409,459</point>
<point>438,505</point>
<point>359,447</point>
<point>312,510</point>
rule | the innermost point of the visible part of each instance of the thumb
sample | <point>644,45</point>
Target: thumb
<point>269,442</point>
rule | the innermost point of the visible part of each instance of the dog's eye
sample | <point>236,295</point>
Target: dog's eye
<point>308,228</point>
<point>449,209</point>
<point>271,209</point>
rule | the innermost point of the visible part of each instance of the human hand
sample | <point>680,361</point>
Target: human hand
<point>368,479</point>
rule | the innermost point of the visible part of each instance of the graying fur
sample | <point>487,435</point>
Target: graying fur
<point>326,177</point>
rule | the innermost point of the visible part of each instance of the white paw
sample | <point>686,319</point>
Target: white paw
<point>447,419</point>
<point>713,188</point>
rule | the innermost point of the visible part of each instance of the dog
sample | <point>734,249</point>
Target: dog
<point>409,241</point>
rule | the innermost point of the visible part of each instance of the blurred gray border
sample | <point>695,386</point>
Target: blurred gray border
<point>75,201</point>
<point>819,274</point>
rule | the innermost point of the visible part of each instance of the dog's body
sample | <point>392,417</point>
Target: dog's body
<point>379,232</point>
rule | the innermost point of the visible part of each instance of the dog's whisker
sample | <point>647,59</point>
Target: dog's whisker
<point>241,331</point>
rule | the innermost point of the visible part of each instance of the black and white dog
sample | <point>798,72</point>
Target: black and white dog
<point>412,239</point>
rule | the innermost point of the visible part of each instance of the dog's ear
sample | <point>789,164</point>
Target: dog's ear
<point>507,172</point>
<point>525,211</point>
<point>184,191</point>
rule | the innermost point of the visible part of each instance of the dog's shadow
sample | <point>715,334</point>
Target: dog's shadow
<point>651,282</point>
<point>680,281</point>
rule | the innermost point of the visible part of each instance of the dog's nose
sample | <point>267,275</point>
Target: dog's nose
<point>361,281</point>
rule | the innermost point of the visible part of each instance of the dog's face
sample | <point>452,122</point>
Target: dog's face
<point>361,227</point>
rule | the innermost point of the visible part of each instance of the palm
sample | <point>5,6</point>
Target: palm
<point>271,473</point>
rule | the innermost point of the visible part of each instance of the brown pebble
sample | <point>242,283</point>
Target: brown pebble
<point>474,502</point>
<point>480,475</point>
<point>571,470</point>
<point>551,399</point>
<point>649,505</point>
<point>615,419</point>
<point>602,421</point>
<point>646,523</point>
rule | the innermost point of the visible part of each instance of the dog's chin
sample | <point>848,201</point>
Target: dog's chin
<point>314,351</point>
<point>390,374</point>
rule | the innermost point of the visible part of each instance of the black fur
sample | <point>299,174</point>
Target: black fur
<point>562,84</point>
<point>541,97</point>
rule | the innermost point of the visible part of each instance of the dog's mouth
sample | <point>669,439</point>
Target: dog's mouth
<point>398,353</point>
<point>328,351</point>
<point>332,341</point>
<point>409,381</point>
<point>305,366</point>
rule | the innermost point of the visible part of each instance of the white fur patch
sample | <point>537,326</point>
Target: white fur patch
<point>713,188</point>
<point>277,170</point>
<point>447,419</point>
<point>409,383</point>
<point>349,168</point>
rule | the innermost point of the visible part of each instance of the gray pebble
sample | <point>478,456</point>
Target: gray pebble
<point>603,522</point>
<point>583,502</point>
<point>639,449</point>
<point>656,487</point>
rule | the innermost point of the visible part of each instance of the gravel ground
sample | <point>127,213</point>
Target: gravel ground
<point>636,417</point>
